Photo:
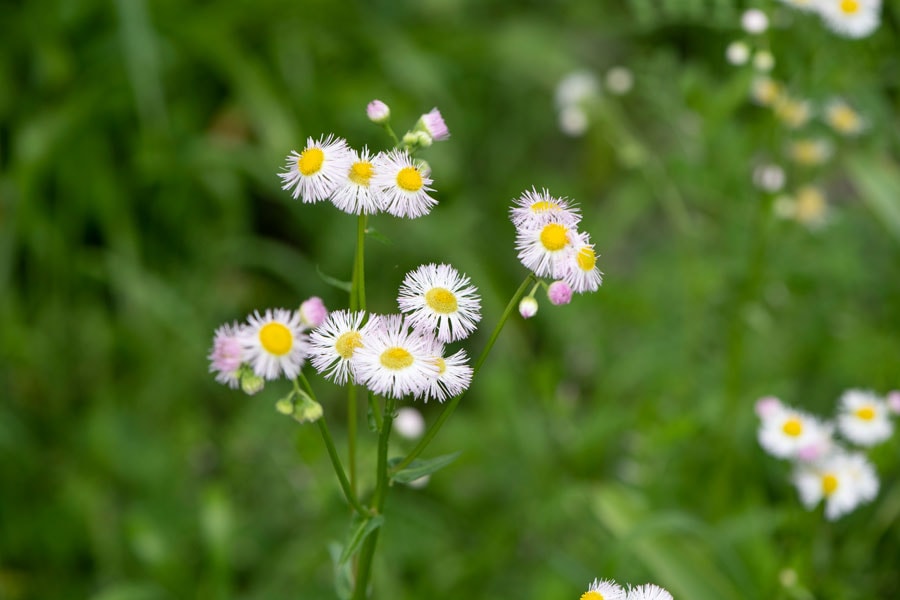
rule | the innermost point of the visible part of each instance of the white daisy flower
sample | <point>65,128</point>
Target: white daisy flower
<point>604,589</point>
<point>850,18</point>
<point>844,480</point>
<point>841,117</point>
<point>439,298</point>
<point>316,172</point>
<point>274,343</point>
<point>863,418</point>
<point>333,345</point>
<point>547,249</point>
<point>648,591</point>
<point>790,433</point>
<point>355,193</point>
<point>227,355</point>
<point>453,377</point>
<point>737,53</point>
<point>582,273</point>
<point>396,361</point>
<point>403,185</point>
<point>534,208</point>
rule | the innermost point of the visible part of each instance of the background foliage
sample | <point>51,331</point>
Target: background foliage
<point>615,437</point>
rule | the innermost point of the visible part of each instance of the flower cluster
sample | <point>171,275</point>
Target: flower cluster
<point>806,122</point>
<point>360,183</point>
<point>848,18</point>
<point>392,355</point>
<point>823,467</point>
<point>605,589</point>
<point>403,354</point>
<point>550,245</point>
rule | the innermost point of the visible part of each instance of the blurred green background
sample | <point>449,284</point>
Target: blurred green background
<point>614,437</point>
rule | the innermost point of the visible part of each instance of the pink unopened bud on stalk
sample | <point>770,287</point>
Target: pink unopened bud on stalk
<point>767,406</point>
<point>893,402</point>
<point>378,112</point>
<point>559,293</point>
<point>433,124</point>
<point>313,312</point>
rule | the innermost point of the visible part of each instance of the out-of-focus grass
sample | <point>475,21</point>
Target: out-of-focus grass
<point>614,437</point>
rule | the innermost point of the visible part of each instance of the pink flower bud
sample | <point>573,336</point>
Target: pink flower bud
<point>767,406</point>
<point>378,112</point>
<point>434,125</point>
<point>313,312</point>
<point>559,293</point>
<point>528,307</point>
<point>893,402</point>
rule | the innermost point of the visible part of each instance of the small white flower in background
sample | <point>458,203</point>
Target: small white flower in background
<point>850,18</point>
<point>843,480</point>
<point>396,361</point>
<point>754,21</point>
<point>573,121</point>
<point>763,61</point>
<point>453,377</point>
<point>409,423</point>
<point>315,172</point>
<point>769,178</point>
<point>604,589</point>
<point>787,432</point>
<point>333,344</point>
<point>578,87</point>
<point>559,293</point>
<point>528,307</point>
<point>581,272</point>
<point>648,591</point>
<point>765,91</point>
<point>793,112</point>
<point>313,312</point>
<point>737,53</point>
<point>274,343</point>
<point>619,80</point>
<point>534,208</point>
<point>433,124</point>
<point>810,151</point>
<point>227,355</point>
<point>439,298</point>
<point>863,418</point>
<point>841,117</point>
<point>355,193</point>
<point>378,112</point>
<point>403,185</point>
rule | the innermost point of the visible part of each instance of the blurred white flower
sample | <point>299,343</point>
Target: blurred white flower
<point>769,177</point>
<point>863,418</point>
<point>850,18</point>
<point>737,53</point>
<point>763,61</point>
<point>573,121</point>
<point>843,480</point>
<point>619,80</point>
<point>754,21</point>
<point>575,88</point>
<point>409,423</point>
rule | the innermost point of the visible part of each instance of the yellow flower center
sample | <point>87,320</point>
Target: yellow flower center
<point>829,484</point>
<point>810,205</point>
<point>409,179</point>
<point>866,413</point>
<point>586,258</point>
<point>542,206</point>
<point>441,365</point>
<point>849,7</point>
<point>554,237</point>
<point>361,172</point>
<point>844,119</point>
<point>276,339</point>
<point>310,161</point>
<point>792,427</point>
<point>806,152</point>
<point>396,358</point>
<point>592,595</point>
<point>347,343</point>
<point>441,300</point>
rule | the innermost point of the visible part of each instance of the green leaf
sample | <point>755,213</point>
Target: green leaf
<point>334,282</point>
<point>879,182</point>
<point>343,577</point>
<point>358,535</point>
<point>420,468</point>
<point>378,236</point>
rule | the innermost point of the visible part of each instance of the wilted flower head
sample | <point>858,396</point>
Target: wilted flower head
<point>433,123</point>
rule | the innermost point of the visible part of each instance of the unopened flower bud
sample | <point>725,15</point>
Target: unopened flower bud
<point>378,112</point>
<point>307,410</point>
<point>251,383</point>
<point>767,406</point>
<point>433,124</point>
<point>528,307</point>
<point>893,402</point>
<point>313,312</point>
<point>559,293</point>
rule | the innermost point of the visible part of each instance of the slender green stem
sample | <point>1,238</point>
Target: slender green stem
<point>376,412</point>
<point>332,451</point>
<point>364,568</point>
<point>451,405</point>
<point>351,435</point>
<point>357,301</point>
<point>390,132</point>
<point>360,261</point>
